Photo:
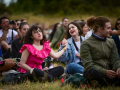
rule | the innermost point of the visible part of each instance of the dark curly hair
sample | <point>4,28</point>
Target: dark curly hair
<point>77,25</point>
<point>28,39</point>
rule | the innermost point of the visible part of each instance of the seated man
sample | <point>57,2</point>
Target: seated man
<point>6,34</point>
<point>99,54</point>
<point>60,33</point>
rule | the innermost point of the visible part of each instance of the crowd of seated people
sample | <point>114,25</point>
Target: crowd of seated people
<point>89,47</point>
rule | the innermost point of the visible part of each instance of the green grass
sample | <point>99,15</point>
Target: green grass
<point>56,85</point>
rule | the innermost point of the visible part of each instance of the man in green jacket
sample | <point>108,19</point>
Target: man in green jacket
<point>99,54</point>
<point>60,33</point>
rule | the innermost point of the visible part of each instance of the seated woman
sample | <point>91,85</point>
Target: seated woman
<point>72,54</point>
<point>99,54</point>
<point>84,28</point>
<point>17,44</point>
<point>35,49</point>
<point>116,37</point>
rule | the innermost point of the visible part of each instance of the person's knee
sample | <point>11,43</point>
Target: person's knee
<point>90,72</point>
<point>4,45</point>
<point>75,68</point>
<point>61,69</point>
<point>71,65</point>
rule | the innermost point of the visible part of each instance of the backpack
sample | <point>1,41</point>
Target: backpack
<point>17,77</point>
<point>75,80</point>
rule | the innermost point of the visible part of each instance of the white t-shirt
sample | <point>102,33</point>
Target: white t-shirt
<point>9,36</point>
<point>76,52</point>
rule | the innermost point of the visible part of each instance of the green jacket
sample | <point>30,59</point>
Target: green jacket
<point>99,55</point>
<point>58,36</point>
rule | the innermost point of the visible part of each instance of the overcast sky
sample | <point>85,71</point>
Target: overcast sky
<point>7,2</point>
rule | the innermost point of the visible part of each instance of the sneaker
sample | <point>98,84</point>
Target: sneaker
<point>51,66</point>
<point>7,72</point>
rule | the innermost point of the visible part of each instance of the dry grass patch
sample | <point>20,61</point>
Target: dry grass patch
<point>52,19</point>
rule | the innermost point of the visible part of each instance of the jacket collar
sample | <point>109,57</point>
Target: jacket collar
<point>97,37</point>
<point>70,41</point>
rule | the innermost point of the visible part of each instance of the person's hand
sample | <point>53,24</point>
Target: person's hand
<point>111,32</point>
<point>31,70</point>
<point>15,26</point>
<point>118,73</point>
<point>78,55</point>
<point>46,68</point>
<point>111,74</point>
<point>64,43</point>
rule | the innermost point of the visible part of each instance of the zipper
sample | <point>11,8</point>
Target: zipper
<point>104,53</point>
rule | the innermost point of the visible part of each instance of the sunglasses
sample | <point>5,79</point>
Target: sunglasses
<point>18,23</point>
<point>117,23</point>
<point>36,31</point>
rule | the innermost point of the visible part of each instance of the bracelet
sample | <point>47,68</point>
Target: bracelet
<point>64,49</point>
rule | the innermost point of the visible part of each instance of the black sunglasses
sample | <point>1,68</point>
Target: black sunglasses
<point>117,23</point>
<point>36,31</point>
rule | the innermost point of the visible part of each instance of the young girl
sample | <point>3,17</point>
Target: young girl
<point>72,54</point>
<point>35,49</point>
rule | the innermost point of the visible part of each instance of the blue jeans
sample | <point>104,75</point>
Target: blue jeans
<point>0,52</point>
<point>75,68</point>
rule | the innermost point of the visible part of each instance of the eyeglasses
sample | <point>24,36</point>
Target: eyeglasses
<point>117,23</point>
<point>37,31</point>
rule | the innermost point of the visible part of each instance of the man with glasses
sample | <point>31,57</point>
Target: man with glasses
<point>6,34</point>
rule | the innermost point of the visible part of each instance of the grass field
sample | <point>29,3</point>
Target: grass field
<point>56,85</point>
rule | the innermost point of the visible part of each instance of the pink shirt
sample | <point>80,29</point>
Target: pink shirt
<point>36,57</point>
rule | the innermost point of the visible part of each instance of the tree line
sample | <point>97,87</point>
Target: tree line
<point>64,7</point>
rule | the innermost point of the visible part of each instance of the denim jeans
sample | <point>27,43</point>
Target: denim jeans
<point>75,68</point>
<point>0,52</point>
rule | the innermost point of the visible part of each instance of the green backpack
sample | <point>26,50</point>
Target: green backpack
<point>75,80</point>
